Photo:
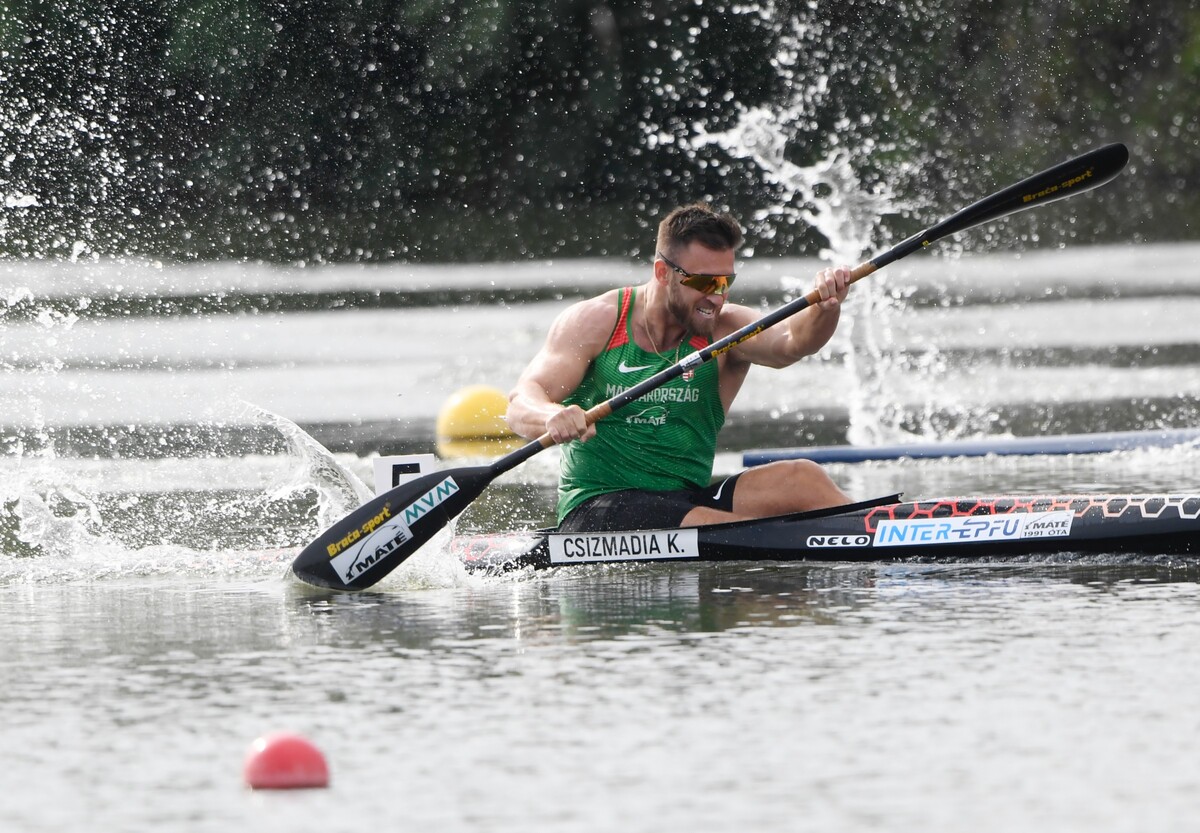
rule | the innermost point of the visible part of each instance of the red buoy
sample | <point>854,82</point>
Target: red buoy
<point>284,761</point>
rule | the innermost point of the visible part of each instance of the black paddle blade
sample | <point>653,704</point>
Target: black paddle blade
<point>1075,176</point>
<point>378,536</point>
<point>1083,173</point>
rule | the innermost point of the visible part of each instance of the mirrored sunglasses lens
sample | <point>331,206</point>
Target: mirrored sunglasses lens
<point>709,284</point>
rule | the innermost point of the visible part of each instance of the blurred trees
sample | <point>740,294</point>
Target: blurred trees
<point>473,129</point>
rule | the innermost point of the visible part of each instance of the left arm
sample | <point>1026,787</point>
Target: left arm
<point>804,333</point>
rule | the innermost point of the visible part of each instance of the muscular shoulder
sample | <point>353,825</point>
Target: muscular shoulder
<point>584,328</point>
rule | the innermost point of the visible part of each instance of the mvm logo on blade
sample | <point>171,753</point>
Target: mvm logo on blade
<point>431,499</point>
<point>386,539</point>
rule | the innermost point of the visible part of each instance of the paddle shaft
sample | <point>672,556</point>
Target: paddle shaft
<point>693,360</point>
<point>604,409</point>
<point>1082,173</point>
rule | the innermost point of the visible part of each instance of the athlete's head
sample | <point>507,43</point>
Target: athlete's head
<point>698,223</point>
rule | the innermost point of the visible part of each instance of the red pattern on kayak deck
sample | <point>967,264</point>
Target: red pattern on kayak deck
<point>1106,506</point>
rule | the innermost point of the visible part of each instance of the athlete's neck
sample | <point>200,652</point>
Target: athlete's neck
<point>661,329</point>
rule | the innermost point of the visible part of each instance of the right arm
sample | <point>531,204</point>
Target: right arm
<point>576,338</point>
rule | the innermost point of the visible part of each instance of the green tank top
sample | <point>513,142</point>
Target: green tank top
<point>665,440</point>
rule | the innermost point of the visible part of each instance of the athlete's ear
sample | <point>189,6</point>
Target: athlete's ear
<point>661,271</point>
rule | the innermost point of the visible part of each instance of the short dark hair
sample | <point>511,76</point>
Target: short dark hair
<point>698,222</point>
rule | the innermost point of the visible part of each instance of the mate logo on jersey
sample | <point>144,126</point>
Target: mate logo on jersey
<point>654,415</point>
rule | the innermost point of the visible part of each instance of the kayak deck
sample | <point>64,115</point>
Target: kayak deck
<point>881,529</point>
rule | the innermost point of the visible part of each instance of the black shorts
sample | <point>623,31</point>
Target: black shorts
<point>636,509</point>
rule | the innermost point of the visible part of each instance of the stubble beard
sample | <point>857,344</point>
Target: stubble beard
<point>688,318</point>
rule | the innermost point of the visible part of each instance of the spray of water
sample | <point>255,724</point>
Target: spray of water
<point>339,489</point>
<point>830,196</point>
<point>73,519</point>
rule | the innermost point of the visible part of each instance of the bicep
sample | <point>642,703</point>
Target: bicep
<point>554,372</point>
<point>576,337</point>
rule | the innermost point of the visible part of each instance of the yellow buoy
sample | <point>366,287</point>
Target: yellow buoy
<point>471,424</point>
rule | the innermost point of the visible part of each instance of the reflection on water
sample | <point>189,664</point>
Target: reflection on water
<point>157,617</point>
<point>656,602</point>
<point>598,603</point>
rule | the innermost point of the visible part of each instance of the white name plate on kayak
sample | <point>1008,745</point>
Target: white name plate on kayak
<point>584,547</point>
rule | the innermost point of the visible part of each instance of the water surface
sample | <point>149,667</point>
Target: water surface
<point>160,470</point>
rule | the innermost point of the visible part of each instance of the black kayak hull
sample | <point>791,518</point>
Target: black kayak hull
<point>884,529</point>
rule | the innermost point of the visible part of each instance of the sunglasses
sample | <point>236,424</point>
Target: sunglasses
<point>705,284</point>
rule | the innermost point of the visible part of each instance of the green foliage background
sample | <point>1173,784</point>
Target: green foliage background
<point>315,130</point>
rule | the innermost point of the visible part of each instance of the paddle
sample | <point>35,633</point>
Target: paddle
<point>378,536</point>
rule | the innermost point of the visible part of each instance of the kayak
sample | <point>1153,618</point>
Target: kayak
<point>882,529</point>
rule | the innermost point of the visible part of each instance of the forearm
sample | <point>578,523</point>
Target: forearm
<point>804,333</point>
<point>790,341</point>
<point>811,330</point>
<point>533,412</point>
<point>529,409</point>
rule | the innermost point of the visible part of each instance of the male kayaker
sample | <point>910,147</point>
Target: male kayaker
<point>649,465</point>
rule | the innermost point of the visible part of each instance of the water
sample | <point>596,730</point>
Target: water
<point>155,487</point>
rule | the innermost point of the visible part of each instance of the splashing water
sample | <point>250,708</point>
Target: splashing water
<point>339,489</point>
<point>827,195</point>
<point>830,197</point>
<point>76,519</point>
